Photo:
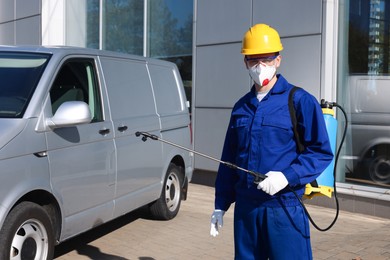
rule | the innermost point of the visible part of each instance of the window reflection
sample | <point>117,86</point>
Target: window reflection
<point>168,30</point>
<point>170,35</point>
<point>93,11</point>
<point>123,26</point>
<point>367,91</point>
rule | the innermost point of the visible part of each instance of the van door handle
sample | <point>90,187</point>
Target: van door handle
<point>105,131</point>
<point>122,128</point>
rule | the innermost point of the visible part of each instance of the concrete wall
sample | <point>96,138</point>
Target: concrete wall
<point>20,22</point>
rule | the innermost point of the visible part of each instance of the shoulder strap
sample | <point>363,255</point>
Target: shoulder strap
<point>294,121</point>
<point>293,116</point>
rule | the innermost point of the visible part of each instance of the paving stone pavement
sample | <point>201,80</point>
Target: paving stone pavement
<point>135,237</point>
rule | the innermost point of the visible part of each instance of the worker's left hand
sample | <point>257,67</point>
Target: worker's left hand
<point>216,222</point>
<point>275,182</point>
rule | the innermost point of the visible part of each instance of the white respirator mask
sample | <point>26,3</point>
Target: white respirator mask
<point>262,73</point>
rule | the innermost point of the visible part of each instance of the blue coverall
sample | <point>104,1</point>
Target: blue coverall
<point>260,138</point>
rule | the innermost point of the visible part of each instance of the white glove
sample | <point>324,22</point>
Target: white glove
<point>216,222</point>
<point>275,182</point>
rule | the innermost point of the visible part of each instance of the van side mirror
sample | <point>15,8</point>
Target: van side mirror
<point>70,113</point>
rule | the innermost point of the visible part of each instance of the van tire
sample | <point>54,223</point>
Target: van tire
<point>375,165</point>
<point>27,233</point>
<point>379,169</point>
<point>168,205</point>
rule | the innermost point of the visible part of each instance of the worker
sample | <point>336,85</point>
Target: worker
<point>269,222</point>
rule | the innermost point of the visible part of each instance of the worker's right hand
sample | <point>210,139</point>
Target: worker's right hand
<point>275,182</point>
<point>216,222</point>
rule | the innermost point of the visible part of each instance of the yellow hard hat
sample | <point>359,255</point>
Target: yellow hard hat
<point>260,39</point>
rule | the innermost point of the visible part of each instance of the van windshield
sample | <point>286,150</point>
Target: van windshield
<point>19,76</point>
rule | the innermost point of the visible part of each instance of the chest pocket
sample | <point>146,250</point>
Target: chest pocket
<point>241,127</point>
<point>276,130</point>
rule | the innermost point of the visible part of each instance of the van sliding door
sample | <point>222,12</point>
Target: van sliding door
<point>133,109</point>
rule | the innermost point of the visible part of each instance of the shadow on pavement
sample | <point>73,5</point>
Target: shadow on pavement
<point>95,253</point>
<point>81,243</point>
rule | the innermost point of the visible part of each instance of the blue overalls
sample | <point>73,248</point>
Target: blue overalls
<point>260,138</point>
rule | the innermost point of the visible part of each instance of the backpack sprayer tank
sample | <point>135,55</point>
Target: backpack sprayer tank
<point>324,184</point>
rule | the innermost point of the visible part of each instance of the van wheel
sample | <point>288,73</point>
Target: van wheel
<point>27,234</point>
<point>168,205</point>
<point>379,169</point>
<point>375,165</point>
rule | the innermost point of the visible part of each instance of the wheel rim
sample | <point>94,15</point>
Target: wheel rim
<point>172,192</point>
<point>30,241</point>
<point>380,170</point>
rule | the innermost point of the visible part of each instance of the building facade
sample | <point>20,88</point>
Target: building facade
<point>337,50</point>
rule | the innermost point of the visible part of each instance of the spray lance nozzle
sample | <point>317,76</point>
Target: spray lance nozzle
<point>145,136</point>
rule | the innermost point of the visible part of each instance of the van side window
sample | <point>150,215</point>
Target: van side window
<point>76,81</point>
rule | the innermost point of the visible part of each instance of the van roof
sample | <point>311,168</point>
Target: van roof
<point>70,50</point>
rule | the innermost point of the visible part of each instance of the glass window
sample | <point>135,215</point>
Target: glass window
<point>76,81</point>
<point>170,35</point>
<point>20,74</point>
<point>123,26</point>
<point>364,89</point>
<point>170,28</point>
<point>93,12</point>
<point>120,26</point>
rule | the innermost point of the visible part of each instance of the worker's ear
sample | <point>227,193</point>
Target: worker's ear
<point>278,60</point>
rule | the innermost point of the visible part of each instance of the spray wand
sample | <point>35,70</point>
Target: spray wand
<point>258,176</point>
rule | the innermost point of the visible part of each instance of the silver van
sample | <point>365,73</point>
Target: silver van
<point>370,130</point>
<point>69,156</point>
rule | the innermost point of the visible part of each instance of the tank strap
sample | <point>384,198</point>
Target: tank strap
<point>294,122</point>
